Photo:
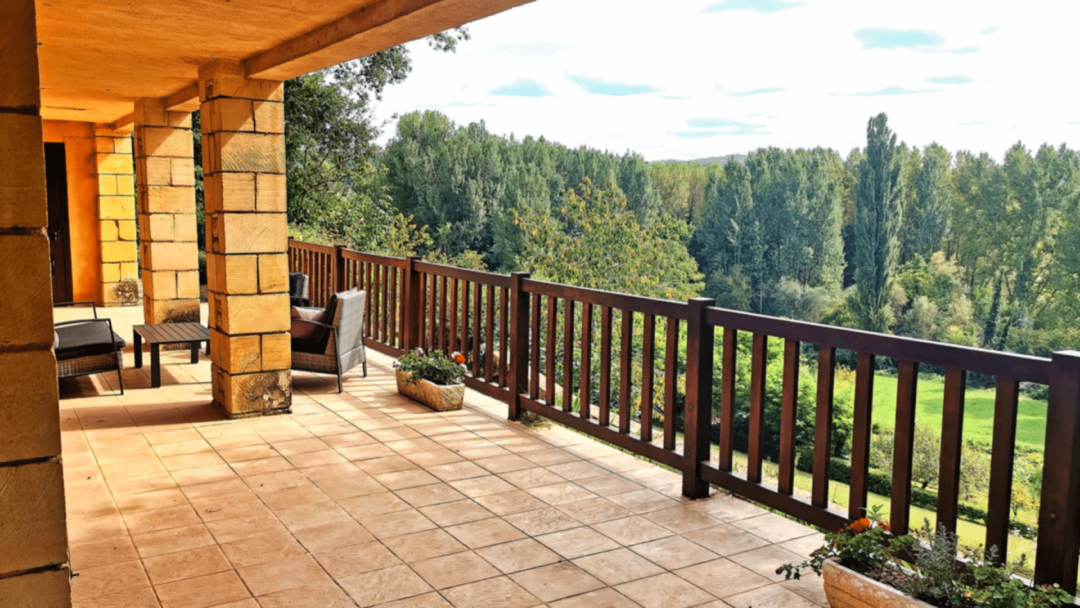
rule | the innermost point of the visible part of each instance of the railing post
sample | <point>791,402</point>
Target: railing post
<point>697,415</point>
<point>518,379</point>
<point>414,288</point>
<point>339,270</point>
<point>1059,512</point>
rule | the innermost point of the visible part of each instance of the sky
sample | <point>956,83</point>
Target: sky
<point>687,79</point>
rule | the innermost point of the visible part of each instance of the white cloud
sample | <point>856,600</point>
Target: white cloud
<point>706,66</point>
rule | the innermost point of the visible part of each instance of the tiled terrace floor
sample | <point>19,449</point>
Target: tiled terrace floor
<point>367,499</point>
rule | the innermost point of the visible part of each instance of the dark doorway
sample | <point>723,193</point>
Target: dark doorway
<point>59,236</point>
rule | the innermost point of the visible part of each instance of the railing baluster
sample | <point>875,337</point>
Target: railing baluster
<point>463,347</point>
<point>385,316</point>
<point>367,310</point>
<point>758,363</point>
<point>432,311</point>
<point>504,337</point>
<point>477,320</point>
<point>647,361</point>
<point>605,366</point>
<point>1006,406</point>
<point>789,416</point>
<point>952,446</point>
<point>489,348</point>
<point>519,341</point>
<point>907,383</point>
<point>671,375</point>
<point>860,435</point>
<point>819,495</point>
<point>549,354</point>
<point>443,287</point>
<point>453,336</point>
<point>626,348</point>
<point>727,399</point>
<point>393,305</point>
<point>586,361</point>
<point>568,356</point>
<point>534,358</point>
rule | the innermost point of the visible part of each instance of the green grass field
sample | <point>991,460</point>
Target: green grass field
<point>978,411</point>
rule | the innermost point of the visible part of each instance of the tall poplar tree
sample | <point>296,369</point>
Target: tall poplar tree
<point>877,223</point>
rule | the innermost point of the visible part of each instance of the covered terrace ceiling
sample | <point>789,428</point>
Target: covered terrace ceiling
<point>98,56</point>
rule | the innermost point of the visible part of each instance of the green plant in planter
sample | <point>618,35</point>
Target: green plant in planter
<point>925,566</point>
<point>436,368</point>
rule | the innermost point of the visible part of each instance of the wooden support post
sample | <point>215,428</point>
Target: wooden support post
<point>414,293</point>
<point>340,282</point>
<point>1059,525</point>
<point>519,344</point>
<point>698,411</point>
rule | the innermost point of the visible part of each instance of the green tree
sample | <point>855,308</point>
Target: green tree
<point>877,222</point>
<point>927,220</point>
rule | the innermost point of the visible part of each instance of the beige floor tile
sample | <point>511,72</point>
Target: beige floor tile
<point>258,523</point>
<point>316,459</point>
<point>386,585</point>
<point>556,581</point>
<point>532,478</point>
<point>191,477</point>
<point>261,549</point>
<point>485,532</point>
<point>578,542</point>
<point>643,501</point>
<point>104,580</point>
<point>682,519</point>
<point>437,457</point>
<point>186,564</point>
<point>632,530</point>
<point>281,574</point>
<point>191,461</point>
<point>542,521</point>
<point>727,508</point>
<point>373,504</point>
<point>774,528</point>
<point>456,471</point>
<point>603,598</point>
<point>453,570</point>
<point>594,511</point>
<point>766,560</point>
<point>149,501</point>
<point>400,480</point>
<point>359,453</point>
<point>300,446</point>
<point>312,515</point>
<point>385,464</point>
<point>664,591</point>
<point>618,566</point>
<point>504,464</point>
<point>726,539</point>
<point>333,535</point>
<point>561,493</point>
<point>501,592</point>
<point>424,545</point>
<point>514,501</point>
<point>458,512</point>
<point>549,456</point>
<point>357,559</point>
<point>674,552</point>
<point>202,592</point>
<point>772,596</point>
<point>105,552</point>
<point>172,540</point>
<point>575,471</point>
<point>428,600</point>
<point>427,495</point>
<point>319,596</point>
<point>805,545</point>
<point>397,523</point>
<point>518,555</point>
<point>722,577</point>
<point>488,485</point>
<point>141,522</point>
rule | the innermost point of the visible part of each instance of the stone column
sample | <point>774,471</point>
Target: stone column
<point>33,536</point>
<point>164,153</point>
<point>243,147</point>
<point>116,210</point>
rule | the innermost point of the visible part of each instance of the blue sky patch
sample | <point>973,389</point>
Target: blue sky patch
<point>615,89</point>
<point>758,6</point>
<point>894,91</point>
<point>956,79</point>
<point>724,126</point>
<point>761,91</point>
<point>990,30</point>
<point>885,38</point>
<point>696,134</point>
<point>522,88</point>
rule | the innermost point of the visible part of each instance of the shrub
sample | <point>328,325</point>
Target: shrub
<point>436,368</point>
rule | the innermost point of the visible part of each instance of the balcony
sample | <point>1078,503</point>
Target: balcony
<point>366,499</point>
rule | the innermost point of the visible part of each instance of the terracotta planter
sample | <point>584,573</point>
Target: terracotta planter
<point>848,589</point>
<point>438,398</point>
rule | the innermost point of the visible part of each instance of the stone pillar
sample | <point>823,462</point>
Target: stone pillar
<point>243,147</point>
<point>164,162</point>
<point>116,211</point>
<point>33,535</point>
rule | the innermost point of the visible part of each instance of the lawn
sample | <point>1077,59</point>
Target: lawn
<point>978,411</point>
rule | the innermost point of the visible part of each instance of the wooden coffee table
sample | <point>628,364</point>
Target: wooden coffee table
<point>168,333</point>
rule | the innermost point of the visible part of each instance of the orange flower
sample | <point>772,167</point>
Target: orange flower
<point>860,525</point>
<point>458,358</point>
<point>884,525</point>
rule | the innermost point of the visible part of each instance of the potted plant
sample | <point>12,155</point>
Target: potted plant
<point>432,379</point>
<point>865,565</point>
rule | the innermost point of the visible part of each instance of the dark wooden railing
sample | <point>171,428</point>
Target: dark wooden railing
<point>538,347</point>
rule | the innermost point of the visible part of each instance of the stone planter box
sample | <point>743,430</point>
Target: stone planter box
<point>848,589</point>
<point>438,398</point>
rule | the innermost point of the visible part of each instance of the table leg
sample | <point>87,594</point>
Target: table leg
<point>138,350</point>
<point>208,348</point>
<point>195,352</point>
<point>155,365</point>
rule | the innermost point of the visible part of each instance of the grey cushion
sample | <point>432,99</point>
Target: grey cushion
<point>85,339</point>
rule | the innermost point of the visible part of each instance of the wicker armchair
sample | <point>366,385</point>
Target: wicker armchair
<point>336,347</point>
<point>298,289</point>
<point>88,346</point>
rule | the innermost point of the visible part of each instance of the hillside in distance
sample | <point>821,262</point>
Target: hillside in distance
<point>705,162</point>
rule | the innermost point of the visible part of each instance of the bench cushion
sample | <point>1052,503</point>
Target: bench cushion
<point>85,339</point>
